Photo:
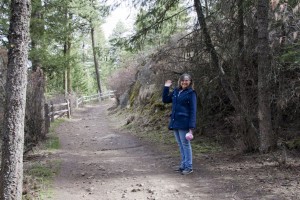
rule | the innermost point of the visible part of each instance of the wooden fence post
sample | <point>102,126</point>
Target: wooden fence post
<point>99,96</point>
<point>52,111</point>
<point>47,118</point>
<point>68,107</point>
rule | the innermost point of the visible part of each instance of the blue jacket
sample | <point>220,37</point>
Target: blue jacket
<point>184,107</point>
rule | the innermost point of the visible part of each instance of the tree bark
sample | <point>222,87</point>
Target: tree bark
<point>37,31</point>
<point>249,138</point>
<point>241,52</point>
<point>96,61</point>
<point>280,92</point>
<point>206,7</point>
<point>66,70</point>
<point>67,54</point>
<point>69,76</point>
<point>13,129</point>
<point>69,44</point>
<point>267,139</point>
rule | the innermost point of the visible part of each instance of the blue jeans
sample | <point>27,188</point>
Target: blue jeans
<point>185,149</point>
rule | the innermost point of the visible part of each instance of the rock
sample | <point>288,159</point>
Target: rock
<point>90,189</point>
<point>135,190</point>
<point>139,185</point>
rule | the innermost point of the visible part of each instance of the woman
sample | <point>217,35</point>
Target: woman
<point>183,117</point>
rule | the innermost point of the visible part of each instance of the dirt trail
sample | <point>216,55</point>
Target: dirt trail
<point>100,162</point>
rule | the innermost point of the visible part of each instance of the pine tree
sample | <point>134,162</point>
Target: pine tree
<point>13,129</point>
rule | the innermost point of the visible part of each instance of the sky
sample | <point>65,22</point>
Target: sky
<point>122,13</point>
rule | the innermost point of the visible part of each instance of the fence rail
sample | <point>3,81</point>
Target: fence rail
<point>58,110</point>
<point>54,111</point>
<point>93,97</point>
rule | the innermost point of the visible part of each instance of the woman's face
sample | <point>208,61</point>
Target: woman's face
<point>185,83</point>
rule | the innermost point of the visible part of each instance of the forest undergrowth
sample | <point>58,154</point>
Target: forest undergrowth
<point>39,169</point>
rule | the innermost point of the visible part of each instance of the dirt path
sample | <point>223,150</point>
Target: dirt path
<point>100,162</point>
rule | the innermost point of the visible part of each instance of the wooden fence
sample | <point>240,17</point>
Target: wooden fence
<point>99,97</point>
<point>54,111</point>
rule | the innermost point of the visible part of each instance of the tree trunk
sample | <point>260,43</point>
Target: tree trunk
<point>37,31</point>
<point>35,116</point>
<point>65,70</point>
<point>69,43</point>
<point>206,7</point>
<point>67,54</point>
<point>14,112</point>
<point>69,79</point>
<point>267,139</point>
<point>241,52</point>
<point>96,61</point>
<point>248,136</point>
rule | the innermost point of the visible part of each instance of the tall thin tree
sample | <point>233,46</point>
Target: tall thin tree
<point>249,138</point>
<point>13,128</point>
<point>67,51</point>
<point>267,139</point>
<point>95,59</point>
<point>37,29</point>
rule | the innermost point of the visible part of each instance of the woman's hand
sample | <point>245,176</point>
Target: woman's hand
<point>189,135</point>
<point>168,83</point>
